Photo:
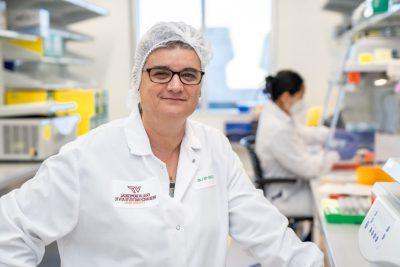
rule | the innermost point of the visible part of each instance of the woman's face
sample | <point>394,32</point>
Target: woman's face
<point>287,101</point>
<point>173,99</point>
<point>298,96</point>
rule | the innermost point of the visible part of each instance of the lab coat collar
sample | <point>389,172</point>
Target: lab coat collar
<point>190,137</point>
<point>138,141</point>
<point>136,136</point>
<point>273,108</point>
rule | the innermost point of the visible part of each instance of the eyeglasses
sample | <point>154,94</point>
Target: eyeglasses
<point>164,75</point>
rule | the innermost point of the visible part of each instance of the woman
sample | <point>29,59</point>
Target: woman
<point>284,146</point>
<point>155,189</point>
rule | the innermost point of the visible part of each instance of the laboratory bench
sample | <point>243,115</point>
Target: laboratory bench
<point>340,240</point>
<point>13,174</point>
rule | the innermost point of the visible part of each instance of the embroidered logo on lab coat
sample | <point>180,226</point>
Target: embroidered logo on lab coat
<point>135,189</point>
<point>128,194</point>
<point>204,181</point>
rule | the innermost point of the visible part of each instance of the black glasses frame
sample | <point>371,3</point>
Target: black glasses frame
<point>148,70</point>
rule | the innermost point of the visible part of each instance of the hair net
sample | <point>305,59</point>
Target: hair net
<point>156,37</point>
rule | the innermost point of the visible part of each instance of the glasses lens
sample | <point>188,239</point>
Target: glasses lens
<point>160,75</point>
<point>190,76</point>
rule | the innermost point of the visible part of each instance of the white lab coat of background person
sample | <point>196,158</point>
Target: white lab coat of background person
<point>286,149</point>
<point>77,198</point>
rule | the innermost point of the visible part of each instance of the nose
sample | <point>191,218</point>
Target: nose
<point>175,85</point>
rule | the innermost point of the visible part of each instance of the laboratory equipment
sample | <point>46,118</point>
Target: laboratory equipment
<point>27,139</point>
<point>91,104</point>
<point>370,54</point>
<point>345,208</point>
<point>370,109</point>
<point>379,234</point>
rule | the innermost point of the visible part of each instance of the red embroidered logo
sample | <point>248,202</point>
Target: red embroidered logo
<point>135,198</point>
<point>135,189</point>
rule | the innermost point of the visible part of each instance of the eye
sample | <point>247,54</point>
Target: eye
<point>160,74</point>
<point>189,75</point>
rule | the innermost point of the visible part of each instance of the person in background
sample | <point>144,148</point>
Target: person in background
<point>154,189</point>
<point>288,149</point>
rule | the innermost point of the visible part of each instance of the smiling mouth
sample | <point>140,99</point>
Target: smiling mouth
<point>172,98</point>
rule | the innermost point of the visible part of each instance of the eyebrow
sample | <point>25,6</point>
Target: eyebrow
<point>167,68</point>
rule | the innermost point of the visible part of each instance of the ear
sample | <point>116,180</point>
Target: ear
<point>285,97</point>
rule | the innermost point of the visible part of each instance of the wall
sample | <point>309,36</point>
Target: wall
<point>111,51</point>
<point>303,41</point>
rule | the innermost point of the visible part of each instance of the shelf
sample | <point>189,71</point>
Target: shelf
<point>390,18</point>
<point>366,68</point>
<point>71,35</point>
<point>62,12</point>
<point>49,86</point>
<point>50,60</point>
<point>342,6</point>
<point>19,54</point>
<point>21,81</point>
<point>392,167</point>
<point>35,109</point>
<point>17,36</point>
<point>46,86</point>
<point>66,60</point>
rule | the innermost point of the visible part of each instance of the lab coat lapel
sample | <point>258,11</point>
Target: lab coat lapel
<point>189,162</point>
<point>136,136</point>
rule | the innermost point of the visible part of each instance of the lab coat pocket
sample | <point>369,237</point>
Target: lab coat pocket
<point>135,194</point>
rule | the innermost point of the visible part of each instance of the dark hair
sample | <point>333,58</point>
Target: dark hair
<point>284,81</point>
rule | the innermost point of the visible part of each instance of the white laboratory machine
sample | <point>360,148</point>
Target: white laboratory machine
<point>35,139</point>
<point>379,233</point>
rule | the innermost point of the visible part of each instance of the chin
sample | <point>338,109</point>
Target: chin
<point>176,112</point>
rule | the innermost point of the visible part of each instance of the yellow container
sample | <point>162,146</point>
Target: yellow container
<point>24,97</point>
<point>85,102</point>
<point>36,46</point>
<point>84,126</point>
<point>313,116</point>
<point>369,175</point>
<point>84,99</point>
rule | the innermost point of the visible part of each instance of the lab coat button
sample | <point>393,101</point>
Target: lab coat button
<point>193,160</point>
<point>178,227</point>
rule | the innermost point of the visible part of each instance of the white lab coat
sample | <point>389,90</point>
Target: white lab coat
<point>283,147</point>
<point>105,199</point>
